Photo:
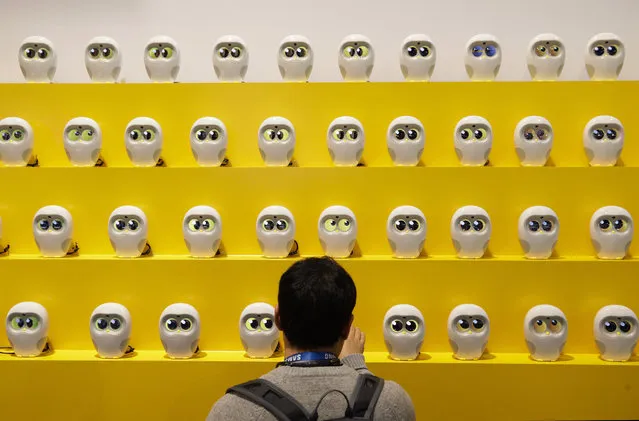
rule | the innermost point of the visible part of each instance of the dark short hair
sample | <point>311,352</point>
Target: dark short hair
<point>316,299</point>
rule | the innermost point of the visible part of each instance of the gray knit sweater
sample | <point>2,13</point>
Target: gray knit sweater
<point>308,384</point>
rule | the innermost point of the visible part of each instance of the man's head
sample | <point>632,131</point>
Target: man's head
<point>315,303</point>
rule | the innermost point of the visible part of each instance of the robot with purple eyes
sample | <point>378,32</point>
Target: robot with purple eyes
<point>483,57</point>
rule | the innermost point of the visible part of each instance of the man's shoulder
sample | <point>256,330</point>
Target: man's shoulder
<point>394,403</point>
<point>234,408</point>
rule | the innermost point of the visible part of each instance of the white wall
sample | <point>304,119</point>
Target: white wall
<point>194,24</point>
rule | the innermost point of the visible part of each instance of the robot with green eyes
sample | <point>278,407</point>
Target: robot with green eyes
<point>259,335</point>
<point>337,230</point>
<point>162,59</point>
<point>27,329</point>
<point>202,229</point>
<point>16,143</point>
<point>38,60</point>
<point>143,140</point>
<point>180,330</point>
<point>404,331</point>
<point>82,140</point>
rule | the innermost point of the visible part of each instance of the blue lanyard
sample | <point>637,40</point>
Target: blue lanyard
<point>311,356</point>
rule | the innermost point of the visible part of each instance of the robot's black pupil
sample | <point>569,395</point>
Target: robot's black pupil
<point>533,226</point>
<point>354,134</point>
<point>56,224</point>
<point>618,224</point>
<point>42,53</point>
<point>120,225</point>
<point>165,52</point>
<point>134,135</point>
<point>599,50</point>
<point>465,134</point>
<point>147,134</point>
<point>102,324</point>
<point>280,135</point>
<point>598,134</point>
<point>553,322</point>
<point>6,136</point>
<point>89,132</point>
<point>235,52</point>
<point>400,225</point>
<point>254,324</point>
<point>413,225</point>
<point>185,324</point>
<point>555,48</point>
<point>541,134</point>
<point>604,224</point>
<point>223,52</point>
<point>610,326</point>
<point>546,225</point>
<point>423,51</point>
<point>412,51</point>
<point>268,323</point>
<point>478,134</point>
<point>156,52</point>
<point>539,322</point>
<point>106,52</point>
<point>214,134</point>
<point>411,326</point>
<point>360,52</point>
<point>397,325</point>
<point>612,50</point>
<point>340,134</point>
<point>94,52</point>
<point>196,224</point>
<point>17,134</point>
<point>281,225</point>
<point>201,135</point>
<point>478,324</point>
<point>206,225</point>
<point>172,324</point>
<point>346,222</point>
<point>19,322</point>
<point>412,134</point>
<point>301,52</point>
<point>133,224</point>
<point>478,225</point>
<point>611,134</point>
<point>30,52</point>
<point>44,225</point>
<point>463,324</point>
<point>624,326</point>
<point>29,322</point>
<point>269,225</point>
<point>115,324</point>
<point>528,136</point>
<point>289,52</point>
<point>464,225</point>
<point>400,134</point>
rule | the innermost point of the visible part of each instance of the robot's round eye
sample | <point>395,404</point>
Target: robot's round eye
<point>610,326</point>
<point>282,135</point>
<point>289,52</point>
<point>135,135</point>
<point>107,53</point>
<point>115,324</point>
<point>424,51</point>
<point>413,225</point>
<point>400,134</point>
<point>267,323</point>
<point>411,51</point>
<point>478,225</point>
<point>31,323</point>
<point>101,324</point>
<point>465,134</point>
<point>269,135</point>
<point>533,226</point>
<point>462,325</point>
<point>43,225</point>
<point>612,50</point>
<point>171,324</point>
<point>133,225</point>
<point>87,135</point>
<point>330,225</point>
<point>625,326</point>
<point>555,50</point>
<point>44,53</point>
<point>611,134</point>
<point>56,224</point>
<point>154,52</point>
<point>598,134</point>
<point>185,325</point>
<point>362,51</point>
<point>529,134</point>
<point>348,52</point>
<point>252,324</point>
<point>604,224</point>
<point>397,325</point>
<point>480,134</point>
<point>194,225</point>
<point>236,52</point>
<point>540,326</point>
<point>214,135</point>
<point>281,225</point>
<point>223,52</point>
<point>400,225</point>
<point>352,134</point>
<point>200,135</point>
<point>94,52</point>
<point>412,134</point>
<point>17,322</point>
<point>148,135</point>
<point>5,136</point>
<point>301,52</point>
<point>491,50</point>
<point>29,53</point>
<point>412,325</point>
<point>344,225</point>
<point>541,51</point>
<point>465,225</point>
<point>542,134</point>
<point>74,135</point>
<point>546,225</point>
<point>119,225</point>
<point>478,51</point>
<point>478,324</point>
<point>208,225</point>
<point>619,224</point>
<point>555,326</point>
<point>268,225</point>
<point>338,134</point>
<point>598,50</point>
<point>18,134</point>
<point>167,52</point>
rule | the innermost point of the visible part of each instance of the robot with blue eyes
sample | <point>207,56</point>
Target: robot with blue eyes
<point>110,327</point>
<point>605,55</point>
<point>128,229</point>
<point>603,140</point>
<point>616,330</point>
<point>611,231</point>
<point>404,331</point>
<point>53,232</point>
<point>417,57</point>
<point>470,229</point>
<point>27,326</point>
<point>538,232</point>
<point>275,229</point>
<point>483,57</point>
<point>180,330</point>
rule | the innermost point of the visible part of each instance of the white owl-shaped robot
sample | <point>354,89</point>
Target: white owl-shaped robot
<point>128,229</point>
<point>16,142</point>
<point>483,57</point>
<point>611,231</point>
<point>27,329</point>
<point>538,232</point>
<point>468,331</point>
<point>470,229</point>
<point>616,333</point>
<point>162,59</point>
<point>533,141</point>
<point>258,332</point>
<point>605,54</point>
<point>546,332</point>
<point>345,140</point>
<point>417,57</point>
<point>295,58</point>
<point>404,331</point>
<point>110,328</point>
<point>103,60</point>
<point>143,141</point>
<point>473,141</point>
<point>180,330</point>
<point>202,228</point>
<point>603,141</point>
<point>546,57</point>
<point>406,231</point>
<point>405,140</point>
<point>356,58</point>
<point>82,140</point>
<point>275,230</point>
<point>337,229</point>
<point>230,59</point>
<point>209,140</point>
<point>53,231</point>
<point>276,141</point>
<point>38,59</point>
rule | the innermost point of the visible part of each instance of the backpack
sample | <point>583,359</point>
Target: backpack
<point>285,408</point>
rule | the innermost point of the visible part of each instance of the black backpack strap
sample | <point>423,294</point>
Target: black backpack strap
<point>366,395</point>
<point>270,397</point>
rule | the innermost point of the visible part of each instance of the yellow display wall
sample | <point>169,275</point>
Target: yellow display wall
<point>75,385</point>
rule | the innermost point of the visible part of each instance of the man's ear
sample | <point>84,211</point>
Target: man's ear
<point>347,328</point>
<point>277,317</point>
